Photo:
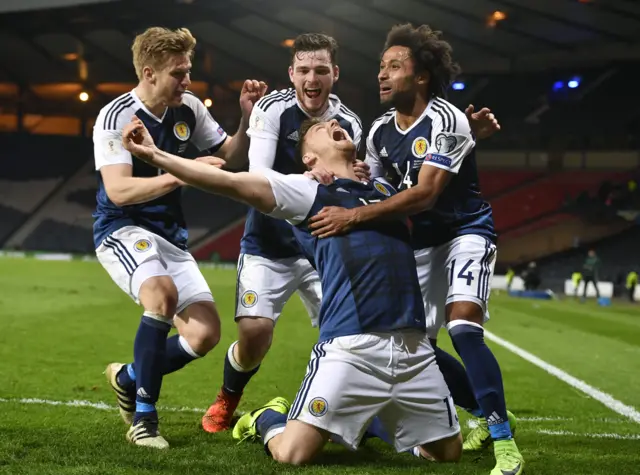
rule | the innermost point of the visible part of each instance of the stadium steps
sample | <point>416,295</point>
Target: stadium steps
<point>543,196</point>
<point>619,254</point>
<point>16,239</point>
<point>567,233</point>
<point>497,183</point>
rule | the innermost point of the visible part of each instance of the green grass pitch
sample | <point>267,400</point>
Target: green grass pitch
<point>63,322</point>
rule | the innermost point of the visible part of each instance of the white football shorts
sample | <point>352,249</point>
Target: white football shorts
<point>265,285</point>
<point>123,251</point>
<point>352,379</point>
<point>459,270</point>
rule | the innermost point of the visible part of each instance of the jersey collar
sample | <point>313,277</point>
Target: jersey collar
<point>332,111</point>
<point>141,105</point>
<point>415,124</point>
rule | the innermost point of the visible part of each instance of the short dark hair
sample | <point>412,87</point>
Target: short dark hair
<point>315,42</point>
<point>429,52</point>
<point>302,132</point>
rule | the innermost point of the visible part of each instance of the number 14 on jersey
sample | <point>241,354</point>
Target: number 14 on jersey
<point>406,176</point>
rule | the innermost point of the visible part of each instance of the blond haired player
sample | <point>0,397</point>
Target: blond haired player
<point>139,230</point>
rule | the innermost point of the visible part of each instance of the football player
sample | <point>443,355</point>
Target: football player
<point>425,147</point>
<point>272,267</point>
<point>139,230</point>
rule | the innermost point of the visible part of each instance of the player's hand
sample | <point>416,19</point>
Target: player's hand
<point>362,170</point>
<point>252,92</point>
<point>483,123</point>
<point>320,175</point>
<point>137,140</point>
<point>332,221</point>
<point>214,161</point>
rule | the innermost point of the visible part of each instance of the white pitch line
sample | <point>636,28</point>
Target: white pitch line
<point>94,405</point>
<point>606,399</point>
<point>590,435</point>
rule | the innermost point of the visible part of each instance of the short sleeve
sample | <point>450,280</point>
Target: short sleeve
<point>264,121</point>
<point>107,146</point>
<point>451,140</point>
<point>208,134</point>
<point>294,194</point>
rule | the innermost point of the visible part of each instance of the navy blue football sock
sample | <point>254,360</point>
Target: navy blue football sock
<point>148,355</point>
<point>126,377</point>
<point>234,377</point>
<point>484,374</point>
<point>455,375</point>
<point>376,429</point>
<point>177,354</point>
<point>268,421</point>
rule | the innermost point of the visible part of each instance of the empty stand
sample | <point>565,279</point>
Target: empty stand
<point>620,254</point>
<point>545,196</point>
<point>33,167</point>
<point>494,182</point>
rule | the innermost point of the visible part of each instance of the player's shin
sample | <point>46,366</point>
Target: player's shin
<point>236,377</point>
<point>178,353</point>
<point>455,375</point>
<point>484,374</point>
<point>149,354</point>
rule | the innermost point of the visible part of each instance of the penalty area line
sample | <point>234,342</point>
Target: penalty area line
<point>607,399</point>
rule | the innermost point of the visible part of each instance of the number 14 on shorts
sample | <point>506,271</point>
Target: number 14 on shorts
<point>463,272</point>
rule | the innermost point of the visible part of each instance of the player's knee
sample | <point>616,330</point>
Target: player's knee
<point>199,324</point>
<point>292,454</point>
<point>159,295</point>
<point>255,336</point>
<point>465,310</point>
<point>446,450</point>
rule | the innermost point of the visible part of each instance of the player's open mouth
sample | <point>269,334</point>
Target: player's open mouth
<point>338,135</point>
<point>312,93</point>
<point>385,90</point>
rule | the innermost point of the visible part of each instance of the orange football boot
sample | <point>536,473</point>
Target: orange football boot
<point>219,416</point>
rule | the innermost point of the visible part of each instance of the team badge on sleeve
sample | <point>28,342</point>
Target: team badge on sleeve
<point>249,299</point>
<point>142,245</point>
<point>419,147</point>
<point>381,188</point>
<point>318,406</point>
<point>182,131</point>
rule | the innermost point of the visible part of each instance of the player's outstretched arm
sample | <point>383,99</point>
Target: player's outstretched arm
<point>250,188</point>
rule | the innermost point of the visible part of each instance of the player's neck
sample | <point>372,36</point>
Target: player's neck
<point>343,169</point>
<point>407,114</point>
<point>314,114</point>
<point>153,105</point>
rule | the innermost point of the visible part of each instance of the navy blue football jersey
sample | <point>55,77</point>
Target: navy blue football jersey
<point>273,128</point>
<point>369,277</point>
<point>442,138</point>
<point>190,122</point>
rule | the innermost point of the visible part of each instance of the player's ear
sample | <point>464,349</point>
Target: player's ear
<point>309,160</point>
<point>423,78</point>
<point>148,74</point>
<point>291,73</point>
<point>336,73</point>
